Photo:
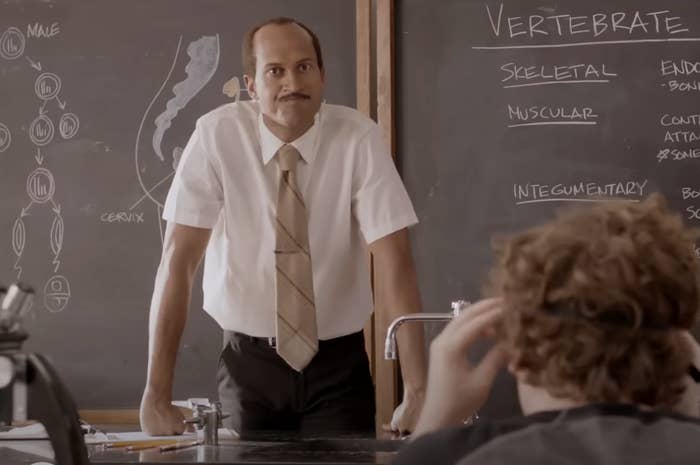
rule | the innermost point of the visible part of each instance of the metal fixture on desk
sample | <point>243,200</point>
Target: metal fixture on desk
<point>390,343</point>
<point>207,417</point>
<point>458,306</point>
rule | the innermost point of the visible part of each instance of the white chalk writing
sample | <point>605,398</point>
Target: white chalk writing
<point>680,120</point>
<point>679,68</point>
<point>122,217</point>
<point>579,191</point>
<point>677,154</point>
<point>681,136</point>
<point>683,86</point>
<point>544,115</point>
<point>516,72</point>
<point>43,31</point>
<point>594,25</point>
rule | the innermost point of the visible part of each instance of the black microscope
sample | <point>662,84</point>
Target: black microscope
<point>30,389</point>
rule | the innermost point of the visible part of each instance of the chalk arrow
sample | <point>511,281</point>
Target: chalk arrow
<point>35,64</point>
<point>25,210</point>
<point>61,104</point>
<point>57,264</point>
<point>42,109</point>
<point>18,268</point>
<point>55,207</point>
<point>38,157</point>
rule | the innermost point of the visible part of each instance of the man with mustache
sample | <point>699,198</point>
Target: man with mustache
<point>286,195</point>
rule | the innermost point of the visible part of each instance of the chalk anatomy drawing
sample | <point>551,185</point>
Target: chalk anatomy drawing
<point>204,54</point>
<point>40,185</point>
<point>154,167</point>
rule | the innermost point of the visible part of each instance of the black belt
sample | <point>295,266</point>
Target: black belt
<point>272,341</point>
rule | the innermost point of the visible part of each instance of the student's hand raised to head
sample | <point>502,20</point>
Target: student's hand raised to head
<point>456,387</point>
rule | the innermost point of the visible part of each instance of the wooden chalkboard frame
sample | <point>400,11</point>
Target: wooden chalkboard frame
<point>385,372</point>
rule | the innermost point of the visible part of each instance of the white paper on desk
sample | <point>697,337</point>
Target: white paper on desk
<point>37,431</point>
<point>33,431</point>
<point>141,436</point>
<point>224,433</point>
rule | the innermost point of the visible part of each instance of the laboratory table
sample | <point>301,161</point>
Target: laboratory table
<point>263,449</point>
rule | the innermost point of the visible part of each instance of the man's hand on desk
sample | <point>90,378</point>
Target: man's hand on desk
<point>406,414</point>
<point>158,417</point>
<point>457,388</point>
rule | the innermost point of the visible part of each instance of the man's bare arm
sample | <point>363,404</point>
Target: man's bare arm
<point>396,291</point>
<point>183,249</point>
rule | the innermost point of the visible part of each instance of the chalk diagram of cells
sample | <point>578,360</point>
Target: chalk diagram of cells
<point>52,120</point>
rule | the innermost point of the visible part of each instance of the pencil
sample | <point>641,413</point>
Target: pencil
<point>180,445</point>
<point>149,445</point>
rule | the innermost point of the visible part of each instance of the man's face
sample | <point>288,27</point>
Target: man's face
<point>288,82</point>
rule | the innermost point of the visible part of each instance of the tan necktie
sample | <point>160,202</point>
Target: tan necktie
<point>297,336</point>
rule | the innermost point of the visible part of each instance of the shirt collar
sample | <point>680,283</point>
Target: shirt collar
<point>305,144</point>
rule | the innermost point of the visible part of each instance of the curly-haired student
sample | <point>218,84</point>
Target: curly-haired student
<point>592,315</point>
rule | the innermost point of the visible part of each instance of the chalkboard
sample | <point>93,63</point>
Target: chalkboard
<point>508,110</point>
<point>97,99</point>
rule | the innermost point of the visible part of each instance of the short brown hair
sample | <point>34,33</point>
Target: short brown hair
<point>248,54</point>
<point>593,299</point>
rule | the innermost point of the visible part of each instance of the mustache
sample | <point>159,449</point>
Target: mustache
<point>294,96</point>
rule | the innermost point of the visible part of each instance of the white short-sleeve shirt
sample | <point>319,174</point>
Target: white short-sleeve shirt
<point>227,181</point>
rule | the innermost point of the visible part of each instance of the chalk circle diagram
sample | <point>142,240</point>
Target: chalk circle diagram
<point>47,86</point>
<point>41,185</point>
<point>5,138</point>
<point>156,156</point>
<point>56,293</point>
<point>41,131</point>
<point>68,125</point>
<point>19,237</point>
<point>12,44</point>
<point>57,228</point>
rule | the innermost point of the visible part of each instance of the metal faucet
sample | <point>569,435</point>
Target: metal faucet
<point>390,343</point>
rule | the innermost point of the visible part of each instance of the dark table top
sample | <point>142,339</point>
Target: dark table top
<point>269,449</point>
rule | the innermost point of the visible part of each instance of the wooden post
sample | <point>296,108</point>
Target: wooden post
<point>385,371</point>
<point>363,40</point>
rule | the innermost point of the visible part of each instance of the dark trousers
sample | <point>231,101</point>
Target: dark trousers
<point>332,395</point>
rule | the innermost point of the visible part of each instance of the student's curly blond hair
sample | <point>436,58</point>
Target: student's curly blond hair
<point>593,301</point>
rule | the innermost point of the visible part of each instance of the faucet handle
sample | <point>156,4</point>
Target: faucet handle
<point>199,417</point>
<point>207,420</point>
<point>458,306</point>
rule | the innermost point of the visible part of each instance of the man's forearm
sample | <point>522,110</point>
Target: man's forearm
<point>167,320</point>
<point>398,294</point>
<point>410,337</point>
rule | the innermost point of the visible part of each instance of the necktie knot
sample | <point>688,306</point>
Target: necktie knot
<point>287,157</point>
